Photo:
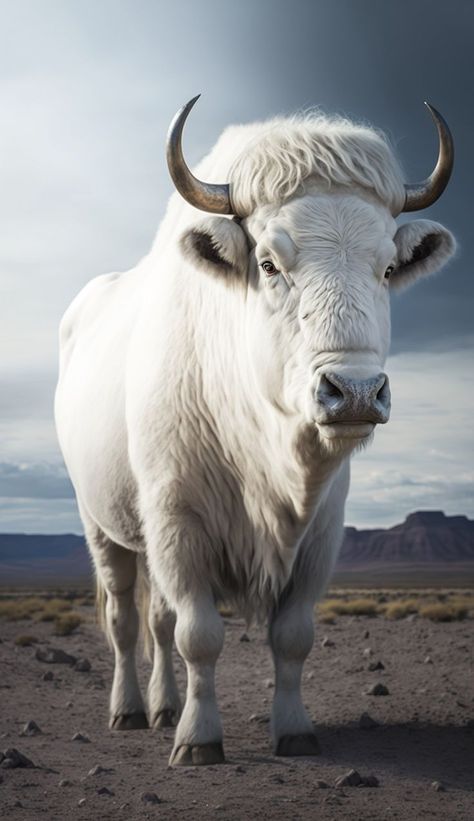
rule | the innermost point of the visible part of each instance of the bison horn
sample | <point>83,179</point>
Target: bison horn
<point>422,194</point>
<point>214,199</point>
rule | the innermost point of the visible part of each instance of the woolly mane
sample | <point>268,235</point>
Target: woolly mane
<point>271,161</point>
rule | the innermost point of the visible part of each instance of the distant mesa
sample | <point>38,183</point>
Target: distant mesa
<point>427,547</point>
<point>427,537</point>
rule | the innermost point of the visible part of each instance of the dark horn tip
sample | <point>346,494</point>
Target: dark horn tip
<point>191,102</point>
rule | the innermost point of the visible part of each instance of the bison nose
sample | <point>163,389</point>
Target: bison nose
<point>343,399</point>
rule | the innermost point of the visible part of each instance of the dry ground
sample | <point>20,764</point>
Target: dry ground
<point>425,731</point>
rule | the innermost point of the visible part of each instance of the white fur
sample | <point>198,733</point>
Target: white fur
<point>186,401</point>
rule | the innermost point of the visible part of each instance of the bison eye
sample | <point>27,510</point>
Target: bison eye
<point>269,268</point>
<point>389,271</point>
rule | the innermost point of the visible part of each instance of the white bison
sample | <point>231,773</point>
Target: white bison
<point>210,399</point>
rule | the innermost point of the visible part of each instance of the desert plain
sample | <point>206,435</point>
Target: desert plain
<point>389,685</point>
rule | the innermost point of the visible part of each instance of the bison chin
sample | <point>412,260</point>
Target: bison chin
<point>343,437</point>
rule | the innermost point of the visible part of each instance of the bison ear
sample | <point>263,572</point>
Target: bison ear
<point>423,248</point>
<point>217,245</point>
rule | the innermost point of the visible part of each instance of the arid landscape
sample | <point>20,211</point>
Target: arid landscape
<point>389,684</point>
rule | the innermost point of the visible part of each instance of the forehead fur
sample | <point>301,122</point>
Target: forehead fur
<point>271,161</point>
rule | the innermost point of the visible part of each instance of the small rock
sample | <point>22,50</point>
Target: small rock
<point>82,666</point>
<point>322,785</point>
<point>366,722</point>
<point>18,803</point>
<point>65,782</point>
<point>105,791</point>
<point>12,758</point>
<point>349,779</point>
<point>370,781</point>
<point>54,656</point>
<point>69,704</point>
<point>259,719</point>
<point>81,737</point>
<point>269,683</point>
<point>377,690</point>
<point>310,675</point>
<point>150,798</point>
<point>48,676</point>
<point>30,729</point>
<point>239,769</point>
<point>428,660</point>
<point>333,798</point>
<point>367,652</point>
<point>327,642</point>
<point>243,637</point>
<point>376,665</point>
<point>438,786</point>
<point>81,802</point>
<point>366,634</point>
<point>97,770</point>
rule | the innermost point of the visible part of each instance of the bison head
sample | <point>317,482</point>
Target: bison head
<point>317,268</point>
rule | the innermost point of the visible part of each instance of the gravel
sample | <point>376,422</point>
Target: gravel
<point>31,729</point>
<point>366,722</point>
<point>12,758</point>
<point>378,689</point>
<point>54,656</point>
<point>82,666</point>
<point>150,798</point>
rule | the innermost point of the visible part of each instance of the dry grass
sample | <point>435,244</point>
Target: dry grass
<point>25,640</point>
<point>65,624</point>
<point>400,609</point>
<point>18,609</point>
<point>437,605</point>
<point>331,608</point>
<point>53,608</point>
<point>443,612</point>
<point>35,608</point>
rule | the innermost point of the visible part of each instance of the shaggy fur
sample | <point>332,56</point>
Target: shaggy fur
<point>191,415</point>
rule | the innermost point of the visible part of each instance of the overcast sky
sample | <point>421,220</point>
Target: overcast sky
<point>87,90</point>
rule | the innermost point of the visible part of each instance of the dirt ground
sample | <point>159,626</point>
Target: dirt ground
<point>425,732</point>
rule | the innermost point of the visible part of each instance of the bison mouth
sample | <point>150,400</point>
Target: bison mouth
<point>346,430</point>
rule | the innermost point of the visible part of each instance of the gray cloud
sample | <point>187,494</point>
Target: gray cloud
<point>34,481</point>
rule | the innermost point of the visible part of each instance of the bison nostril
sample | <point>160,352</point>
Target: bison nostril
<point>329,389</point>
<point>383,393</point>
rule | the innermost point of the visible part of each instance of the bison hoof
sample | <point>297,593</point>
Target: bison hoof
<point>305,744</point>
<point>192,755</point>
<point>165,718</point>
<point>130,721</point>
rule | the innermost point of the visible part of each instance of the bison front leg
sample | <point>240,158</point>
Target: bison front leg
<point>291,638</point>
<point>199,637</point>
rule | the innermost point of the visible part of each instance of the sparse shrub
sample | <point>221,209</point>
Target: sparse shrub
<point>18,609</point>
<point>443,612</point>
<point>355,607</point>
<point>25,640</point>
<point>53,608</point>
<point>465,603</point>
<point>400,609</point>
<point>329,609</point>
<point>325,611</point>
<point>84,601</point>
<point>66,623</point>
